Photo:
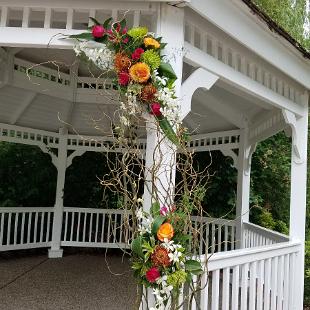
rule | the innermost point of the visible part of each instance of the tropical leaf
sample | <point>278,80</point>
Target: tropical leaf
<point>168,130</point>
<point>82,36</point>
<point>94,20</point>
<point>136,246</point>
<point>193,266</point>
<point>107,23</point>
<point>156,224</point>
<point>166,70</point>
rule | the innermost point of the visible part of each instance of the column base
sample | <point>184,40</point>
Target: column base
<point>55,253</point>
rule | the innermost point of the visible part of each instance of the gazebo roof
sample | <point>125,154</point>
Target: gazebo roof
<point>60,92</point>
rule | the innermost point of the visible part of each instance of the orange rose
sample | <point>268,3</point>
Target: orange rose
<point>140,72</point>
<point>165,231</point>
<point>151,42</point>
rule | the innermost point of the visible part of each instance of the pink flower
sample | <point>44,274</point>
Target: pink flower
<point>137,53</point>
<point>155,109</point>
<point>125,40</point>
<point>152,274</point>
<point>123,78</point>
<point>98,31</point>
<point>163,211</point>
<point>124,31</point>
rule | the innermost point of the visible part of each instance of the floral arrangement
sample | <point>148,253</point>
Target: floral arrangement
<point>161,258</point>
<point>142,75</point>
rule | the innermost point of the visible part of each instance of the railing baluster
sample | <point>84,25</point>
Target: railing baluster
<point>215,289</point>
<point>267,284</point>
<point>35,227</point>
<point>66,215</point>
<point>244,286</point>
<point>235,289</point>
<point>253,276</point>
<point>225,290</point>
<point>103,222</point>
<point>22,239</point>
<point>260,285</point>
<point>84,226</point>
<point>90,228</point>
<point>15,227</point>
<point>78,227</point>
<point>41,226</point>
<point>281,271</point>
<point>72,225</point>
<point>97,224</point>
<point>274,283</point>
<point>48,226</point>
<point>286,287</point>
<point>8,237</point>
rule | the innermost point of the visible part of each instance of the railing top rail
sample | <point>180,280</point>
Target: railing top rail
<point>212,220</point>
<point>242,256</point>
<point>92,210</point>
<point>266,232</point>
<point>26,209</point>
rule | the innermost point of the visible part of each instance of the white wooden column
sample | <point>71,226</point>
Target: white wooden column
<point>160,153</point>
<point>243,185</point>
<point>55,250</point>
<point>298,201</point>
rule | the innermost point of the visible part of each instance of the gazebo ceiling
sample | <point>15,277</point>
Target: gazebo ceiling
<point>221,108</point>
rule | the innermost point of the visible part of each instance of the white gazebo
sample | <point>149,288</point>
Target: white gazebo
<point>239,83</point>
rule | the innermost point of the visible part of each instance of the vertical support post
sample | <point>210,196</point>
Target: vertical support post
<point>160,153</point>
<point>243,186</point>
<point>298,202</point>
<point>55,250</point>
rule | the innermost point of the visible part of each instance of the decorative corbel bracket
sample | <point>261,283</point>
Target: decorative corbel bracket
<point>290,119</point>
<point>49,152</point>
<point>200,78</point>
<point>230,153</point>
<point>248,158</point>
<point>72,155</point>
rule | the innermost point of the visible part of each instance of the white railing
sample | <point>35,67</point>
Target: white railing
<point>254,235</point>
<point>213,235</point>
<point>204,36</point>
<point>23,228</point>
<point>96,228</point>
<point>260,278</point>
<point>59,15</point>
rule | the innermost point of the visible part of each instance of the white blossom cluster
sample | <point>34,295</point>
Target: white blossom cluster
<point>171,105</point>
<point>162,293</point>
<point>99,54</point>
<point>145,222</point>
<point>175,250</point>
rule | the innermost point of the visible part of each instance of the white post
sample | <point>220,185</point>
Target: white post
<point>298,203</point>
<point>161,154</point>
<point>243,186</point>
<point>55,250</point>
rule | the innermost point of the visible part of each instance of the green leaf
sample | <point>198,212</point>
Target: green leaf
<point>193,267</point>
<point>123,23</point>
<point>166,70</point>
<point>136,246</point>
<point>107,22</point>
<point>83,36</point>
<point>155,209</point>
<point>94,20</point>
<point>168,130</point>
<point>156,224</point>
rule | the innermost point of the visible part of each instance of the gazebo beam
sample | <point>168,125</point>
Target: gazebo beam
<point>198,58</point>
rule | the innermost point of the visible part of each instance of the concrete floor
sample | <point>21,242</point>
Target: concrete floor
<point>76,281</point>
